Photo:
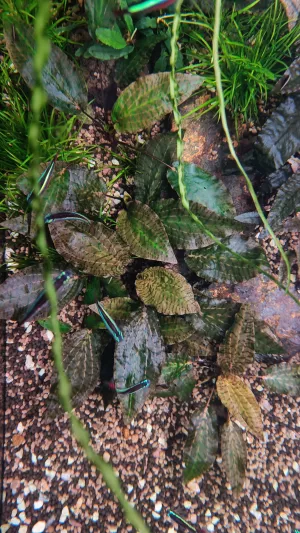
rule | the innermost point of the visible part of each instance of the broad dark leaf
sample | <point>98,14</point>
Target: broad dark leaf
<point>99,14</point>
<point>202,444</point>
<point>174,329</point>
<point>150,174</point>
<point>147,100</point>
<point>215,264</point>
<point>184,233</point>
<point>19,292</point>
<point>270,359</point>
<point>65,92</point>
<point>144,233</point>
<point>46,323</point>
<point>93,291</point>
<point>234,456</point>
<point>290,81</point>
<point>114,287</point>
<point>241,403</point>
<point>118,308</point>
<point>284,379</point>
<point>216,318</point>
<point>94,249</point>
<point>266,341</point>
<point>128,70</point>
<point>280,136</point>
<point>193,347</point>
<point>237,352</point>
<point>203,188</point>
<point>286,202</point>
<point>140,355</point>
<point>167,291</point>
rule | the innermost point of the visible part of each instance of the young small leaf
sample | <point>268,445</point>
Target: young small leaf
<point>203,188</point>
<point>284,379</point>
<point>234,455</point>
<point>240,402</point>
<point>118,308</point>
<point>237,352</point>
<point>111,37</point>
<point>215,264</point>
<point>167,291</point>
<point>47,324</point>
<point>202,444</point>
<point>174,329</point>
<point>144,233</point>
<point>114,287</point>
<point>147,100</point>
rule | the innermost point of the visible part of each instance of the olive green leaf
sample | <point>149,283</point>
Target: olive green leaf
<point>128,70</point>
<point>114,287</point>
<point>94,249</point>
<point>64,85</point>
<point>280,137</point>
<point>290,81</point>
<point>105,53</point>
<point>184,233</point>
<point>284,379</point>
<point>147,100</point>
<point>150,173</point>
<point>266,341</point>
<point>177,379</point>
<point>99,13</point>
<point>93,291</point>
<point>240,402</point>
<point>81,360</point>
<point>118,308</point>
<point>237,352</point>
<point>144,233</point>
<point>216,318</point>
<point>202,444</point>
<point>234,456</point>
<point>286,202</point>
<point>167,291</point>
<point>215,264</point>
<point>111,37</point>
<point>194,347</point>
<point>19,292</point>
<point>174,329</point>
<point>139,356</point>
<point>203,188</point>
<point>47,324</point>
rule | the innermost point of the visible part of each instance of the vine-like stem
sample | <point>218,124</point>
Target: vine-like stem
<point>38,101</point>
<point>180,146</point>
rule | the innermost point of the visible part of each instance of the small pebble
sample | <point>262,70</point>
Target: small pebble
<point>95,516</point>
<point>208,513</point>
<point>39,527</point>
<point>15,521</point>
<point>106,457</point>
<point>296,467</point>
<point>187,504</point>
<point>38,504</point>
<point>49,335</point>
<point>153,497</point>
<point>33,458</point>
<point>21,505</point>
<point>23,529</point>
<point>64,515</point>
<point>29,364</point>
<point>210,527</point>
<point>158,507</point>
<point>155,515</point>
<point>130,489</point>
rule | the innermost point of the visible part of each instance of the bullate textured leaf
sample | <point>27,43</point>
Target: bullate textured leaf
<point>234,456</point>
<point>144,233</point>
<point>240,401</point>
<point>167,291</point>
<point>117,308</point>
<point>286,202</point>
<point>174,329</point>
<point>237,352</point>
<point>94,249</point>
<point>147,100</point>
<point>216,318</point>
<point>202,444</point>
<point>139,356</point>
<point>284,379</point>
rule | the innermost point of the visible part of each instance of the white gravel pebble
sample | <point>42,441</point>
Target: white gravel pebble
<point>15,521</point>
<point>23,529</point>
<point>236,517</point>
<point>130,489</point>
<point>49,335</point>
<point>29,364</point>
<point>155,515</point>
<point>296,466</point>
<point>153,497</point>
<point>26,325</point>
<point>20,427</point>
<point>21,348</point>
<point>141,483</point>
<point>33,458</point>
<point>70,460</point>
<point>64,514</point>
<point>22,517</point>
<point>210,527</point>
<point>115,161</point>
<point>286,471</point>
<point>95,516</point>
<point>21,506</point>
<point>65,476</point>
<point>215,520</point>
<point>50,473</point>
<point>275,485</point>
<point>158,507</point>
<point>39,527</point>
<point>106,457</point>
<point>38,504</point>
<point>81,483</point>
<point>187,504</point>
<point>208,513</point>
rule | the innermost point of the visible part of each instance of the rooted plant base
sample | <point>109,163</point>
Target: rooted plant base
<point>48,480</point>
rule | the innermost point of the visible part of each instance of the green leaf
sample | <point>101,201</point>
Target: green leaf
<point>147,100</point>
<point>139,356</point>
<point>237,352</point>
<point>93,322</point>
<point>280,136</point>
<point>290,81</point>
<point>215,264</point>
<point>47,324</point>
<point>284,379</point>
<point>266,341</point>
<point>114,287</point>
<point>94,249</point>
<point>144,233</point>
<point>150,174</point>
<point>99,13</point>
<point>65,92</point>
<point>202,444</point>
<point>234,456</point>
<point>203,188</point>
<point>81,356</point>
<point>216,318</point>
<point>111,37</point>
<point>286,202</point>
<point>19,292</point>
<point>146,22</point>
<point>193,347</point>
<point>167,291</point>
<point>118,308</point>
<point>93,291</point>
<point>105,53</point>
<point>128,70</point>
<point>177,379</point>
<point>174,329</point>
<point>240,401</point>
<point>184,233</point>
